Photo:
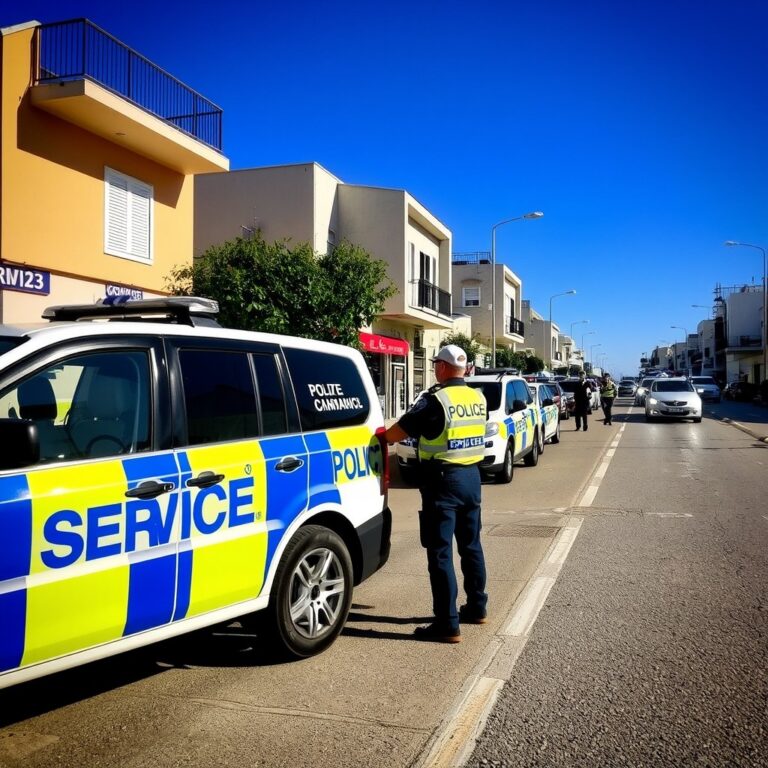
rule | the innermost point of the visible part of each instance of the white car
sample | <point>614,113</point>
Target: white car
<point>550,413</point>
<point>707,387</point>
<point>672,398</point>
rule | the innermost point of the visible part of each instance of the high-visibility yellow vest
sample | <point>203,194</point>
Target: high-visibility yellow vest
<point>608,390</point>
<point>462,440</point>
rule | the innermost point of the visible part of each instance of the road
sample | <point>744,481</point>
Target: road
<point>652,636</point>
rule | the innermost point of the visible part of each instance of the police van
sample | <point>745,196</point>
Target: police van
<point>514,430</point>
<point>159,473</point>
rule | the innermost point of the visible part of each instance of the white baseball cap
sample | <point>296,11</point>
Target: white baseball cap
<point>453,355</point>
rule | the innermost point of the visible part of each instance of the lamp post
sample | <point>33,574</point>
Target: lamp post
<point>765,301</point>
<point>591,358</point>
<point>531,215</point>
<point>680,328</point>
<point>572,292</point>
<point>583,356</point>
<point>568,361</point>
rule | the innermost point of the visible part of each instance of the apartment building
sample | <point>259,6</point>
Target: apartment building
<point>491,295</point>
<point>98,150</point>
<point>543,337</point>
<point>306,203</point>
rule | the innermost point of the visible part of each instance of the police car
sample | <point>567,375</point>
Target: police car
<point>159,473</point>
<point>514,430</point>
<point>544,399</point>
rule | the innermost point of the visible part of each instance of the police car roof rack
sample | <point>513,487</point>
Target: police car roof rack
<point>497,371</point>
<point>182,310</point>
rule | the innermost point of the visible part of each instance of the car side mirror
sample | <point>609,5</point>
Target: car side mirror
<point>518,405</point>
<point>19,443</point>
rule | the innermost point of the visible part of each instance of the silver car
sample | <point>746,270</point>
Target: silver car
<point>707,387</point>
<point>672,399</point>
<point>641,391</point>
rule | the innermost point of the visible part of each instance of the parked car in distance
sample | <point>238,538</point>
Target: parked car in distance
<point>707,387</point>
<point>672,398</point>
<point>742,391</point>
<point>561,400</point>
<point>641,391</point>
<point>594,402</point>
<point>627,387</point>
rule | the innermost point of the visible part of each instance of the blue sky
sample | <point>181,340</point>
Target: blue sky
<point>639,129</point>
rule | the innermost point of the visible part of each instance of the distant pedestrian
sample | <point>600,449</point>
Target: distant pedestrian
<point>449,422</point>
<point>607,396</point>
<point>582,401</point>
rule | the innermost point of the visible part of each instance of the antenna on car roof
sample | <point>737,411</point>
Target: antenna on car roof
<point>183,310</point>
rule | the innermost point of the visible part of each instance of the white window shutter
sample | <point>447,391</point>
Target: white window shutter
<point>117,213</point>
<point>128,217</point>
<point>139,216</point>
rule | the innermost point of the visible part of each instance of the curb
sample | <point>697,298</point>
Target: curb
<point>738,425</point>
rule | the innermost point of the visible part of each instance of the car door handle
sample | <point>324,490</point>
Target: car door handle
<point>204,480</point>
<point>289,464</point>
<point>149,490</point>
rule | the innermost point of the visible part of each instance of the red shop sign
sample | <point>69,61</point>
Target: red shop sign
<point>384,345</point>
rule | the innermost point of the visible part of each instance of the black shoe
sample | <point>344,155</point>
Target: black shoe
<point>585,429</point>
<point>437,634</point>
<point>468,616</point>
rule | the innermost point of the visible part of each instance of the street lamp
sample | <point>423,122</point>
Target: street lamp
<point>531,215</point>
<point>583,356</point>
<point>572,292</point>
<point>765,301</point>
<point>680,328</point>
<point>591,358</point>
<point>575,322</point>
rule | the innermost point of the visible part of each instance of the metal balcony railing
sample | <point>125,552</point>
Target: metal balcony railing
<point>429,296</point>
<point>513,325</point>
<point>471,257</point>
<point>78,49</point>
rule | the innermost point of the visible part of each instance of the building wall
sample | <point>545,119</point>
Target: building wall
<point>744,315</point>
<point>53,190</point>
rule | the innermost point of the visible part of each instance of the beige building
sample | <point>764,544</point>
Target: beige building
<point>473,295</point>
<point>96,190</point>
<point>306,203</point>
<point>543,337</point>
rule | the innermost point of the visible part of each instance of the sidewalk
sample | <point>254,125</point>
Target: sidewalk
<point>748,417</point>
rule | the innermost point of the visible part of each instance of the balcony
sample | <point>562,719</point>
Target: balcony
<point>87,77</point>
<point>429,296</point>
<point>514,326</point>
<point>471,257</point>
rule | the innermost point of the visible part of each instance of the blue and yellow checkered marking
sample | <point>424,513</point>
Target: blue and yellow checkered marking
<point>81,564</point>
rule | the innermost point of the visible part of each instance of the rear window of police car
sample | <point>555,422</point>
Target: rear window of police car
<point>329,389</point>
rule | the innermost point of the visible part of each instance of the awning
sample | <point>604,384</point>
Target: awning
<point>384,345</point>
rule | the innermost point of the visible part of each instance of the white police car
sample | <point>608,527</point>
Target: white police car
<point>164,475</point>
<point>543,397</point>
<point>514,430</point>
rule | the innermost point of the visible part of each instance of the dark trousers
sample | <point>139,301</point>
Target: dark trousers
<point>450,497</point>
<point>581,417</point>
<point>607,403</point>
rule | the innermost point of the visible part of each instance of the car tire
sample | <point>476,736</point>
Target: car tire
<point>542,440</point>
<point>316,572</point>
<point>697,421</point>
<point>408,475</point>
<point>555,439</point>
<point>507,471</point>
<point>532,457</point>
<point>567,416</point>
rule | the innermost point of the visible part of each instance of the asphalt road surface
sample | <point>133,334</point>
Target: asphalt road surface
<point>652,649</point>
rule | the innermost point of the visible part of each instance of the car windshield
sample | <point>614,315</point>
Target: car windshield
<point>703,380</point>
<point>491,390</point>
<point>672,386</point>
<point>10,342</point>
<point>647,383</point>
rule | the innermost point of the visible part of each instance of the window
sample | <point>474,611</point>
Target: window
<point>128,217</point>
<point>218,395</point>
<point>521,392</point>
<point>88,406</point>
<point>471,296</point>
<point>271,396</point>
<point>329,389</point>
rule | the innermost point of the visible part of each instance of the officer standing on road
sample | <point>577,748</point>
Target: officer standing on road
<point>607,396</point>
<point>449,422</point>
<point>582,398</point>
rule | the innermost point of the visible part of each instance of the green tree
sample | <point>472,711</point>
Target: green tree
<point>272,287</point>
<point>533,364</point>
<point>470,345</point>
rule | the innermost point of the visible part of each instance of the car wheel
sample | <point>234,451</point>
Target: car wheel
<point>567,416</point>
<point>314,592</point>
<point>542,440</point>
<point>555,439</point>
<point>697,421</point>
<point>507,471</point>
<point>408,475</point>
<point>532,457</point>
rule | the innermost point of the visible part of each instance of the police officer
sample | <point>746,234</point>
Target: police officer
<point>607,396</point>
<point>449,422</point>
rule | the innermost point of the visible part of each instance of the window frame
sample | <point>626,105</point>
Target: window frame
<point>133,187</point>
<point>465,300</point>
